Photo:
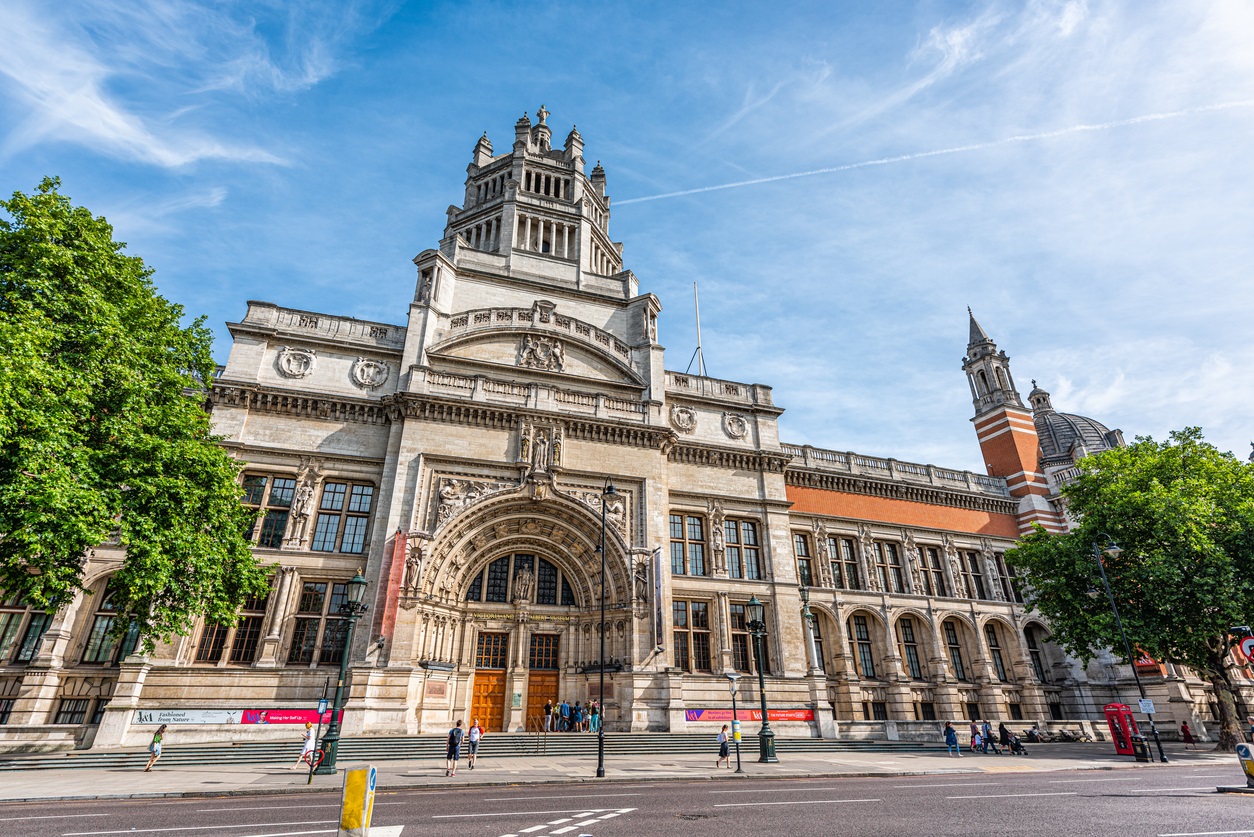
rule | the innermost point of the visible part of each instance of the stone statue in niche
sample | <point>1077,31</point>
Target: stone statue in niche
<point>413,567</point>
<point>718,546</point>
<point>914,560</point>
<point>294,362</point>
<point>307,478</point>
<point>524,443</point>
<point>641,579</point>
<point>955,563</point>
<point>524,585</point>
<point>541,353</point>
<point>540,453</point>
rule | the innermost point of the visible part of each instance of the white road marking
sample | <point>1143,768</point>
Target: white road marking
<point>533,828</point>
<point>952,785</point>
<point>593,821</point>
<point>1160,790</point>
<point>1003,796</point>
<point>773,791</point>
<point>293,833</point>
<point>547,798</point>
<point>477,814</point>
<point>194,828</point>
<point>1202,833</point>
<point>792,802</point>
<point>1072,781</point>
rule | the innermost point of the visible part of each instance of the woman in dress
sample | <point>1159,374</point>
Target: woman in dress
<point>724,749</point>
<point>154,749</point>
<point>1187,735</point>
<point>306,751</point>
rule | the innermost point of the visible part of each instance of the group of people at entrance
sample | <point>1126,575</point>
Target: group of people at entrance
<point>1001,742</point>
<point>567,718</point>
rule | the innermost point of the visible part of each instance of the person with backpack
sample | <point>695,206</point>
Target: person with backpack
<point>473,735</point>
<point>565,719</point>
<point>454,751</point>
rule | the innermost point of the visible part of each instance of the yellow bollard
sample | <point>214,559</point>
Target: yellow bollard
<point>357,803</point>
<point>1246,757</point>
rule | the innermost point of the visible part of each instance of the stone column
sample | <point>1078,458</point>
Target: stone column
<point>944,692</point>
<point>724,631</point>
<point>268,656</point>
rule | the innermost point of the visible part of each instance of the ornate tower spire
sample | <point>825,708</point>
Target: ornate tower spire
<point>1008,438</point>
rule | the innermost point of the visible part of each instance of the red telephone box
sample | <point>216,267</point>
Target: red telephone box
<point>1122,727</point>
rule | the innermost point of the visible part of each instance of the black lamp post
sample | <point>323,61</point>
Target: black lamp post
<point>732,677</point>
<point>606,495</point>
<point>351,609</point>
<point>757,626</point>
<point>1114,551</point>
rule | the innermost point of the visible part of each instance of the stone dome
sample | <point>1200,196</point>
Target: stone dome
<point>1060,434</point>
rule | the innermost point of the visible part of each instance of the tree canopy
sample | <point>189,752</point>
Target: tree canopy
<point>1182,513</point>
<point>103,430</point>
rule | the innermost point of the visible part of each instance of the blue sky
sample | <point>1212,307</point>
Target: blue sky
<point>1097,215</point>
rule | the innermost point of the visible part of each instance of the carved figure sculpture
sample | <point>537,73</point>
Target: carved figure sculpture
<point>641,577</point>
<point>541,353</point>
<point>524,585</point>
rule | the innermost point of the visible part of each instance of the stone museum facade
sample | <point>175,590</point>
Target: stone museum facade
<point>459,457</point>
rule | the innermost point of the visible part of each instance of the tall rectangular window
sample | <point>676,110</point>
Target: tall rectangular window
<point>820,658</point>
<point>343,517</point>
<point>1034,653</point>
<point>1009,581</point>
<point>849,559</point>
<point>935,572</point>
<point>543,651</point>
<point>272,496</point>
<point>248,631</point>
<point>742,660</point>
<point>888,566</point>
<point>687,545</point>
<point>752,550</point>
<point>36,627</point>
<point>909,647</point>
<point>994,650</point>
<point>801,548</point>
<point>973,575</point>
<point>692,635</point>
<point>955,650</point>
<point>860,646</point>
<point>319,630</point>
<point>212,641</point>
<point>679,620</point>
<point>72,711</point>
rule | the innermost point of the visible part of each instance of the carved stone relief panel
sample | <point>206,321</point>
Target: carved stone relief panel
<point>294,362</point>
<point>683,419</point>
<point>369,374</point>
<point>735,426</point>
<point>545,353</point>
<point>455,494</point>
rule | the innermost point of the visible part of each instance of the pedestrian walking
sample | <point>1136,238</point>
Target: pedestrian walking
<point>154,749</point>
<point>473,736</point>
<point>548,716</point>
<point>986,732</point>
<point>1004,734</point>
<point>1187,735</point>
<point>306,751</point>
<point>454,751</point>
<point>951,741</point>
<point>724,749</point>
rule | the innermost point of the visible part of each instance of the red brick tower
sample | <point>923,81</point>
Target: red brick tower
<point>1007,435</point>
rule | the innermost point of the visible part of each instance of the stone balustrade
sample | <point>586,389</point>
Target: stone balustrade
<point>805,456</point>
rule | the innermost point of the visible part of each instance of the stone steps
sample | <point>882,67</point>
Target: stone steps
<point>500,745</point>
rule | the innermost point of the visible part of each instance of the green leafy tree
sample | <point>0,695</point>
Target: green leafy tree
<point>1183,514</point>
<point>103,431</point>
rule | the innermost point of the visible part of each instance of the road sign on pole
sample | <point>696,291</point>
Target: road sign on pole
<point>1247,648</point>
<point>1147,706</point>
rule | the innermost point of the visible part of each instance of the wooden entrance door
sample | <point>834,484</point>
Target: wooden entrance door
<point>542,679</point>
<point>487,701</point>
<point>541,687</point>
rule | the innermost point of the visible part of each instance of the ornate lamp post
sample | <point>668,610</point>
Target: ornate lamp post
<point>1114,551</point>
<point>607,494</point>
<point>757,626</point>
<point>732,677</point>
<point>809,620</point>
<point>351,609</point>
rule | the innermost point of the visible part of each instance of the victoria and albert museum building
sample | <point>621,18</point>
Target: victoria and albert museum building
<point>471,455</point>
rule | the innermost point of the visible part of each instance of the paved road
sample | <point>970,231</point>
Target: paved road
<point>1161,801</point>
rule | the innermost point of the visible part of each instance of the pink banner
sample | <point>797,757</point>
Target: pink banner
<point>286,716</point>
<point>749,714</point>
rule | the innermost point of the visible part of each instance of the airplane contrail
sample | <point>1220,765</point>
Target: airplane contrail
<point>918,155</point>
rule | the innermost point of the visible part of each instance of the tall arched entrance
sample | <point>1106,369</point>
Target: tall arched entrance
<point>515,583</point>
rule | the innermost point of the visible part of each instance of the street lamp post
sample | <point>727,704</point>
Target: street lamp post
<point>606,495</point>
<point>811,649</point>
<point>1113,550</point>
<point>732,677</point>
<point>352,608</point>
<point>757,626</point>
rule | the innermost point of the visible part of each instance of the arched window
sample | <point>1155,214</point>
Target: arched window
<point>981,382</point>
<point>102,643</point>
<point>499,581</point>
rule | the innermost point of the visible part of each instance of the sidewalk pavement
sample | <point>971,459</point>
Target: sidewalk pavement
<point>232,780</point>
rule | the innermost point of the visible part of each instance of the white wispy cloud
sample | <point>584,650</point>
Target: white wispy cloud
<point>104,75</point>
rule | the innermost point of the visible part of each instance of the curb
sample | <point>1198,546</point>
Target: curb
<point>429,785</point>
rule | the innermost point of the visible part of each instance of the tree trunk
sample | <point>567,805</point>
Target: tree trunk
<point>1231,728</point>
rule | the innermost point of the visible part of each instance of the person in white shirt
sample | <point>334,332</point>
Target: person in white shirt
<point>472,742</point>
